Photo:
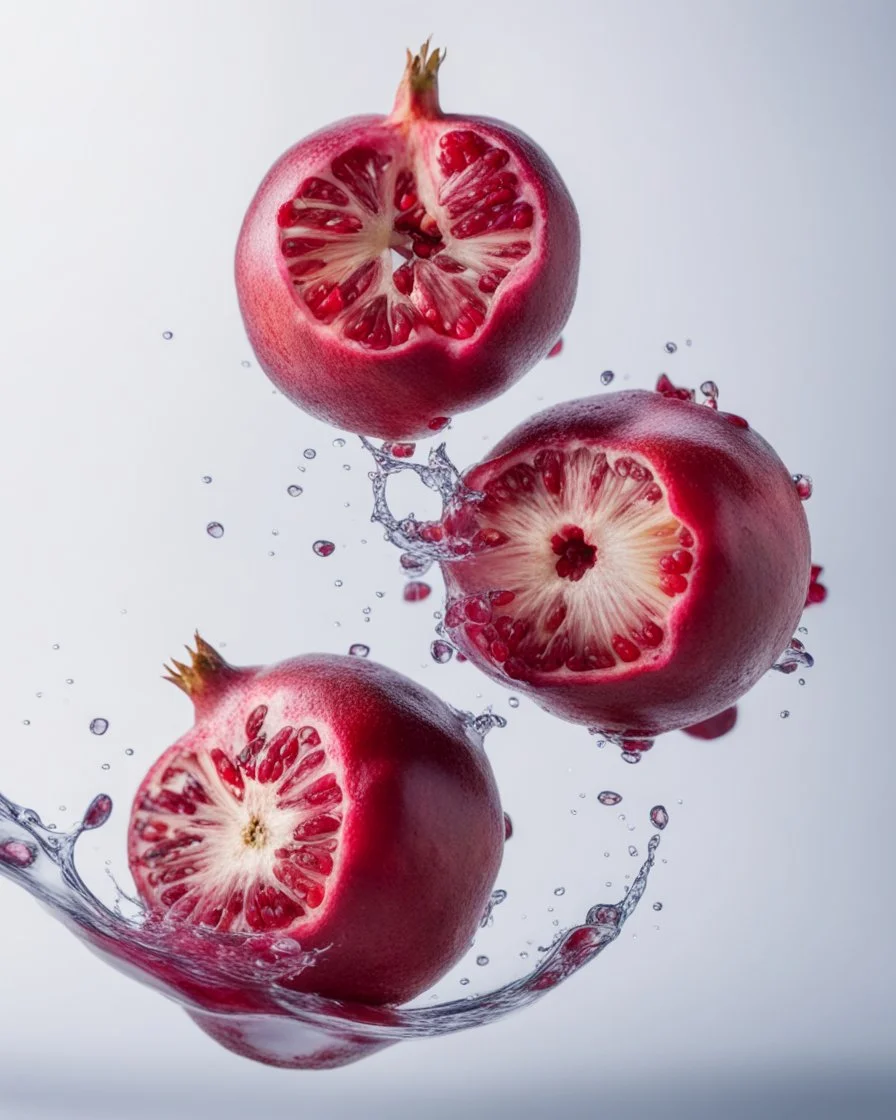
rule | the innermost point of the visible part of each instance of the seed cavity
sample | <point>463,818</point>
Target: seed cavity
<point>244,837</point>
<point>586,559</point>
<point>380,249</point>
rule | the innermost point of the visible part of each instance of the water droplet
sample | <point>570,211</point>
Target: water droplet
<point>559,891</point>
<point>105,766</point>
<point>98,810</point>
<point>339,442</point>
<point>687,342</point>
<point>657,905</point>
<point>38,695</point>
<point>310,453</point>
<point>609,797</point>
<point>508,826</point>
<point>441,652</point>
<point>294,490</point>
<point>215,529</point>
<point>659,818</point>
<point>245,363</point>
<point>55,646</point>
<point>606,378</point>
<point>359,649</point>
<point>631,757</point>
<point>69,680</point>
<point>710,390</point>
<point>482,961</point>
<point>129,751</point>
<point>99,726</point>
<point>671,347</point>
<point>366,610</point>
<point>167,335</point>
<point>206,478</point>
<point>632,850</point>
<point>803,485</point>
<point>346,466</point>
<point>337,583</point>
<point>26,722</point>
<point>802,630</point>
<point>380,594</point>
<point>323,548</point>
<point>785,714</point>
<point>514,702</point>
<point>464,980</point>
<point>802,680</point>
<point>524,956</point>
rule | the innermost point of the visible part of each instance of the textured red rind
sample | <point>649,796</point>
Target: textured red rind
<point>747,587</point>
<point>396,393</point>
<point>423,831</point>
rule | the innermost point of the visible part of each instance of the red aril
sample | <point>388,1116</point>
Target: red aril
<point>395,270</point>
<point>714,727</point>
<point>328,800</point>
<point>637,563</point>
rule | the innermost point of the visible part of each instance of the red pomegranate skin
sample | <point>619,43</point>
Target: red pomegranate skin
<point>748,585</point>
<point>714,727</point>
<point>398,393</point>
<point>422,834</point>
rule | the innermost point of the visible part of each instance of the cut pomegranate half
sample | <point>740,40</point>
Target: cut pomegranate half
<point>243,838</point>
<point>586,561</point>
<point>326,801</point>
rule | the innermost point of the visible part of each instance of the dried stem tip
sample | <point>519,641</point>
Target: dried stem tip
<point>418,94</point>
<point>207,671</point>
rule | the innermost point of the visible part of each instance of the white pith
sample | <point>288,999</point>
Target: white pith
<point>438,298</point>
<point>225,860</point>
<point>621,591</point>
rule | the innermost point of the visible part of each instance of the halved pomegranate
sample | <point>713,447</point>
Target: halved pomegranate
<point>329,800</point>
<point>637,563</point>
<point>393,271</point>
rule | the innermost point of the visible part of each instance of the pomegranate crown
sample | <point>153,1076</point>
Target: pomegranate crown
<point>418,94</point>
<point>206,674</point>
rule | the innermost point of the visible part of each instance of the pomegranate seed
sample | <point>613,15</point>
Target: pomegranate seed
<point>478,610</point>
<point>550,465</point>
<point>416,592</point>
<point>228,773</point>
<point>626,650</point>
<point>501,598</point>
<point>673,584</point>
<point>255,721</point>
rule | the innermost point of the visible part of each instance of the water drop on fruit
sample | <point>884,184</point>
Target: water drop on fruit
<point>215,529</point>
<point>556,348</point>
<point>17,854</point>
<point>803,485</point>
<point>99,726</point>
<point>359,649</point>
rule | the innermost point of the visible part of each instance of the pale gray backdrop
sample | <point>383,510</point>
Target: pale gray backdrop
<point>734,168</point>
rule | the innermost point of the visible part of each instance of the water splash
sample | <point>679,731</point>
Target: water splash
<point>796,656</point>
<point>250,1007</point>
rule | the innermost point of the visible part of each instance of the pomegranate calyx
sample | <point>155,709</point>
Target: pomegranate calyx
<point>418,93</point>
<point>206,677</point>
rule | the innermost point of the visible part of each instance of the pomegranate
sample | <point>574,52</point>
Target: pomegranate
<point>637,563</point>
<point>327,800</point>
<point>394,270</point>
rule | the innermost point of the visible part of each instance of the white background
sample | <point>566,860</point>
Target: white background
<point>734,168</point>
